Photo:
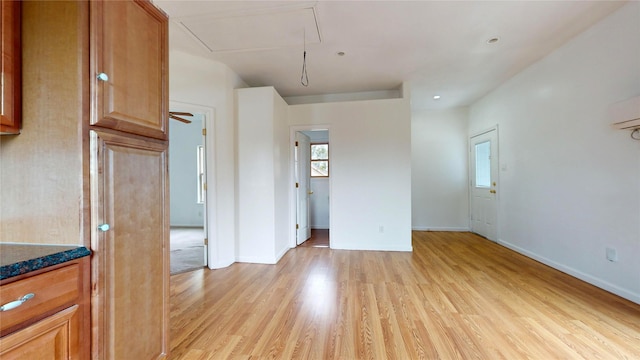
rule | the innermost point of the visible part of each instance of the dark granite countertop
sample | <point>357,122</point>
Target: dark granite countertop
<point>17,259</point>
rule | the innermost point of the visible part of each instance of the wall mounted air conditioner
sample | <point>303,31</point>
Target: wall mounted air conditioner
<point>626,114</point>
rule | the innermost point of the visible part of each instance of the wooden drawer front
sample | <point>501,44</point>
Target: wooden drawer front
<point>53,290</point>
<point>52,338</point>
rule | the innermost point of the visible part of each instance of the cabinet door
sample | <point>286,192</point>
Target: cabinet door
<point>129,47</point>
<point>10,63</point>
<point>55,337</point>
<point>130,267</point>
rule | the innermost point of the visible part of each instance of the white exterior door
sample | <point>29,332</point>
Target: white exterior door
<point>484,183</point>
<point>303,183</point>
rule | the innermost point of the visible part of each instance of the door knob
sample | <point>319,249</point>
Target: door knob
<point>492,191</point>
<point>104,227</point>
<point>310,192</point>
<point>103,77</point>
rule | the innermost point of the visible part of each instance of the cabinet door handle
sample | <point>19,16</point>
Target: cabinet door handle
<point>14,304</point>
<point>103,77</point>
<point>104,227</point>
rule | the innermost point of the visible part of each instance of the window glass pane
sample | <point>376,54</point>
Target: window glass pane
<point>319,168</point>
<point>319,151</point>
<point>483,164</point>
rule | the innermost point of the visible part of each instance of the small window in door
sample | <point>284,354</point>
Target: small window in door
<point>483,164</point>
<point>320,160</point>
<point>201,178</point>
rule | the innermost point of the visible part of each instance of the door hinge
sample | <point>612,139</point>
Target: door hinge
<point>204,132</point>
<point>204,186</point>
<point>297,226</point>
<point>297,185</point>
<point>206,242</point>
<point>296,143</point>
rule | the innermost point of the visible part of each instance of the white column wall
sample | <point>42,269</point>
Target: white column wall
<point>263,175</point>
<point>281,176</point>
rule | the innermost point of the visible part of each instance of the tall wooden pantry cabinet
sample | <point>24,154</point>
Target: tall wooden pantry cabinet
<point>129,179</point>
<point>89,165</point>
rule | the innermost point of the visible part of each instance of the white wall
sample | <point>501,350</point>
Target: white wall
<point>570,184</point>
<point>370,171</point>
<point>183,172</point>
<point>263,175</point>
<point>196,80</point>
<point>439,176</point>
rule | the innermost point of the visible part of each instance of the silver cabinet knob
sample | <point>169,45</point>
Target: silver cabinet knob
<point>104,227</point>
<point>103,77</point>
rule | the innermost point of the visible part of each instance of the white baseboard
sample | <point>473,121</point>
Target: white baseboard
<point>369,247</point>
<point>281,254</point>
<point>605,285</point>
<point>220,264</point>
<point>429,228</point>
<point>256,260</point>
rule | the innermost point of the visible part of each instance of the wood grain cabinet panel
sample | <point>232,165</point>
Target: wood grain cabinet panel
<point>129,50</point>
<point>55,322</point>
<point>55,337</point>
<point>131,259</point>
<point>10,66</point>
<point>51,291</point>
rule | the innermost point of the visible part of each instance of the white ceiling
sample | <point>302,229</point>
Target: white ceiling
<point>439,47</point>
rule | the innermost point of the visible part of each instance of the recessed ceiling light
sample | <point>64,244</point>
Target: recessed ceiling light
<point>493,40</point>
<point>340,53</point>
<point>436,97</point>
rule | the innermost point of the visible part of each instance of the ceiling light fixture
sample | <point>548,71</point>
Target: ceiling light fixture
<point>436,97</point>
<point>493,40</point>
<point>340,53</point>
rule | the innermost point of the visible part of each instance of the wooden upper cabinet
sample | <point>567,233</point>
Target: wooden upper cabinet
<point>10,64</point>
<point>129,66</point>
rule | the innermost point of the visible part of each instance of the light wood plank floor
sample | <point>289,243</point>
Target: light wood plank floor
<point>457,296</point>
<point>319,238</point>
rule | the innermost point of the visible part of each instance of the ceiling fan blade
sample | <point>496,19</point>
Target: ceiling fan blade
<point>180,113</point>
<point>171,116</point>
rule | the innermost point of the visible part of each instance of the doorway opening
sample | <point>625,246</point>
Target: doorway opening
<point>312,177</point>
<point>187,188</point>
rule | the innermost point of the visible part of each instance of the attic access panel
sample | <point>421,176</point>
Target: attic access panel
<point>255,31</point>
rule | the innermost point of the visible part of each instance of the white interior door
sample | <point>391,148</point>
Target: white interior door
<point>484,184</point>
<point>303,186</point>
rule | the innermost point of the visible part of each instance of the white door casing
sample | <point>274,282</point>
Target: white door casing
<point>213,257</point>
<point>303,187</point>
<point>483,175</point>
<point>205,223</point>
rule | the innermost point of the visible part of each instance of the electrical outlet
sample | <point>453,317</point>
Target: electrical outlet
<point>612,254</point>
